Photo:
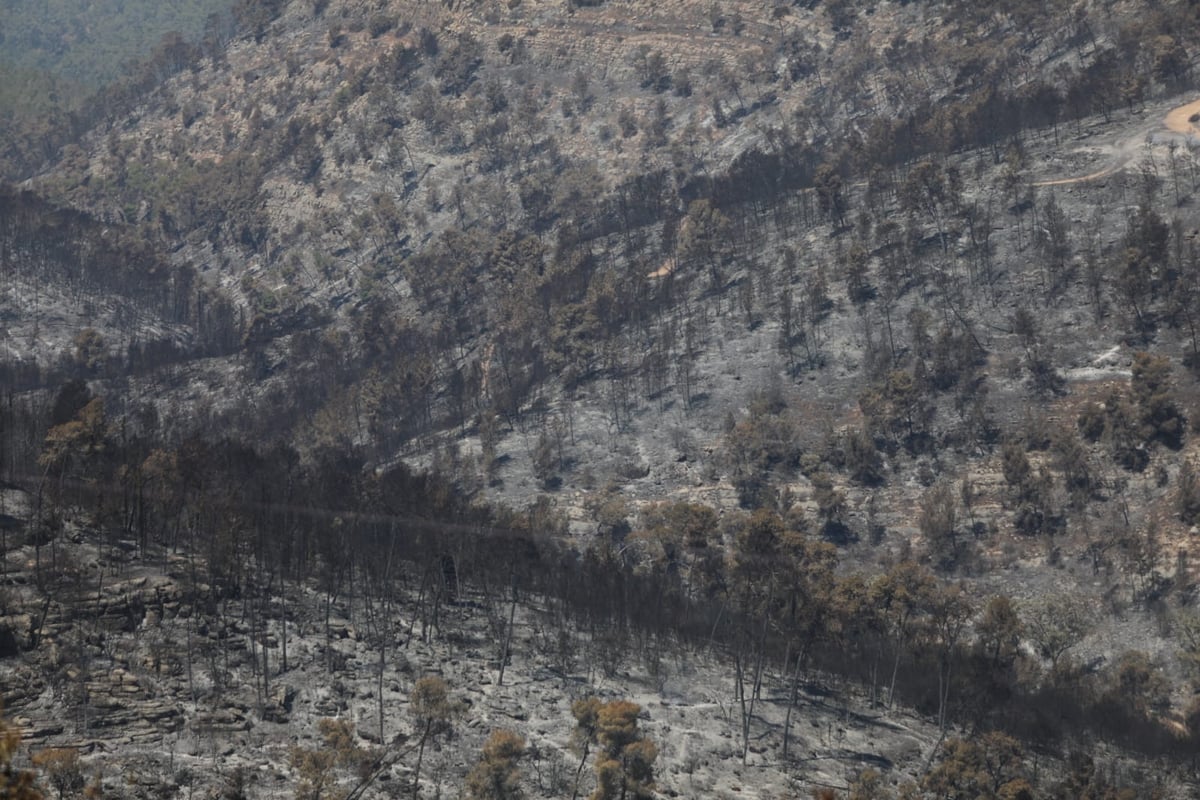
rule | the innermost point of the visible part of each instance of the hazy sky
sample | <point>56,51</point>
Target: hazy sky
<point>90,40</point>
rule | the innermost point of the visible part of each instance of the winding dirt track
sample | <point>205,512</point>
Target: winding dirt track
<point>1177,121</point>
<point>1104,173</point>
<point>1180,119</point>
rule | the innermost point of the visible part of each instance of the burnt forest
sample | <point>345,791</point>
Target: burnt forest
<point>606,399</point>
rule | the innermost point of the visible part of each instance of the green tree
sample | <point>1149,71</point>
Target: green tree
<point>862,457</point>
<point>1146,243</point>
<point>899,597</point>
<point>1052,242</point>
<point>1139,684</point>
<point>652,69</point>
<point>77,441</point>
<point>831,193</point>
<point>90,350</point>
<point>857,270</point>
<point>927,190</point>
<point>1016,468</point>
<point>1029,492</point>
<point>1086,782</point>
<point>937,520</point>
<point>1187,493</point>
<point>1056,624</point>
<point>831,506</point>
<point>1159,417</point>
<point>947,610</point>
<point>1044,379</point>
<point>999,630</point>
<point>1170,58</point>
<point>754,572</point>
<point>1071,460</point>
<point>899,408</point>
<point>686,533</point>
<point>705,237</point>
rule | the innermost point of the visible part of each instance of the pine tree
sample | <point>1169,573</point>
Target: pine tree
<point>625,763</point>
<point>495,776</point>
<point>431,709</point>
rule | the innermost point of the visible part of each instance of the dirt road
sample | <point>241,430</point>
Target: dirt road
<point>1180,119</point>
<point>1177,121</point>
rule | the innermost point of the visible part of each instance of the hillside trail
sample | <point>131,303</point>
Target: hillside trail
<point>1177,121</point>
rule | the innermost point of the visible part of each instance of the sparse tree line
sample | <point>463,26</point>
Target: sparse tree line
<point>340,767</point>
<point>56,253</point>
<point>923,371</point>
<point>988,109</point>
<point>595,319</point>
<point>587,258</point>
<point>36,137</point>
<point>566,291</point>
<point>760,590</point>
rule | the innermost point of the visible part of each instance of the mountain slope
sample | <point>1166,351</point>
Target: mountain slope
<point>917,279</point>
